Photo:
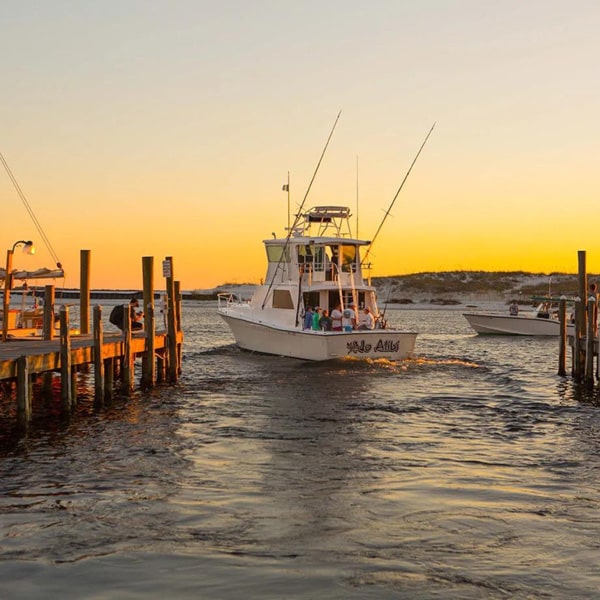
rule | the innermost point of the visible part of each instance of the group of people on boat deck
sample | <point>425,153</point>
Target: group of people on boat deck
<point>339,320</point>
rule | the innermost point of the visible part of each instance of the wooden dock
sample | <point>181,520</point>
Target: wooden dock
<point>111,356</point>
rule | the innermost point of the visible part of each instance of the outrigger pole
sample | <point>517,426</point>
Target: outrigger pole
<point>30,211</point>
<point>387,212</point>
<point>299,213</point>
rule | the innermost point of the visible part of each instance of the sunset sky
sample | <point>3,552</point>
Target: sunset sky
<point>151,128</point>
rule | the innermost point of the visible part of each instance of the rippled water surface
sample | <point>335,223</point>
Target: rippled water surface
<point>470,471</point>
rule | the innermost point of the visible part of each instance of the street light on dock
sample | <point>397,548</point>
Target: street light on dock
<point>27,249</point>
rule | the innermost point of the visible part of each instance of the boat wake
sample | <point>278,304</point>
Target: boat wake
<point>421,360</point>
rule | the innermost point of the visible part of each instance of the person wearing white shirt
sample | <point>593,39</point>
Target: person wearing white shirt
<point>367,321</point>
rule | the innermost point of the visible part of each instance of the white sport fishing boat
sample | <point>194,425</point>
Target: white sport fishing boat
<point>317,264</point>
<point>541,321</point>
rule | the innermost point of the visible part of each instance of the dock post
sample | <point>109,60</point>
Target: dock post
<point>562,344</point>
<point>48,327</point>
<point>66,381</point>
<point>580,318</point>
<point>577,340</point>
<point>178,324</point>
<point>582,281</point>
<point>84,292</point>
<point>171,323</point>
<point>127,365</point>
<point>48,334</point>
<point>160,366</point>
<point>109,378</point>
<point>98,358</point>
<point>6,295</point>
<point>589,345</point>
<point>23,392</point>
<point>148,364</point>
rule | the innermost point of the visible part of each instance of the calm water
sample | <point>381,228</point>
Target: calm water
<point>471,471</point>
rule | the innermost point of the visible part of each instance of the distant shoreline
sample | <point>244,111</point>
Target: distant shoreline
<point>417,289</point>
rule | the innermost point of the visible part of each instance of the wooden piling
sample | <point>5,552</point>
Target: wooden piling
<point>148,361</point>
<point>48,334</point>
<point>579,348</point>
<point>178,324</point>
<point>589,342</point>
<point>562,344</point>
<point>127,366</point>
<point>171,323</point>
<point>161,367</point>
<point>23,392</point>
<point>66,382</point>
<point>6,295</point>
<point>576,351</point>
<point>109,378</point>
<point>99,378</point>
<point>583,287</point>
<point>84,292</point>
<point>48,325</point>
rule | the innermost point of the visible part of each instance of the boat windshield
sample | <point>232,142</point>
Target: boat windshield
<point>275,254</point>
<point>348,256</point>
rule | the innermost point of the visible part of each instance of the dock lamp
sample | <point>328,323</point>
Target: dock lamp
<point>27,249</point>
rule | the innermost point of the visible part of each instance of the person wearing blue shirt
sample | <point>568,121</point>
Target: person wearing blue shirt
<point>308,317</point>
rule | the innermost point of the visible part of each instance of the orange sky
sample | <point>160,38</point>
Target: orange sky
<point>154,129</point>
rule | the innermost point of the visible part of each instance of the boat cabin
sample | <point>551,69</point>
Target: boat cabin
<point>319,264</point>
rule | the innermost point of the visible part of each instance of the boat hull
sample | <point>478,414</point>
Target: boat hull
<point>318,345</point>
<point>487,324</point>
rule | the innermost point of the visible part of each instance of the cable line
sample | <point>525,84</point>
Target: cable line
<point>31,213</point>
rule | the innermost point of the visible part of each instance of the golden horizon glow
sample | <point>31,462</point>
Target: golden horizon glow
<point>150,130</point>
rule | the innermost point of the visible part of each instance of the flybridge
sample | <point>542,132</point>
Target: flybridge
<point>321,220</point>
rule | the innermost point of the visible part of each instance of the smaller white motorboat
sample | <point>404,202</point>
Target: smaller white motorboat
<point>543,320</point>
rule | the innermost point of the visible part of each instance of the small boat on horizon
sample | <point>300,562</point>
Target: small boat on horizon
<point>318,264</point>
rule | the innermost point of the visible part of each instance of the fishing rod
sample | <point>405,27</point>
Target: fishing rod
<point>382,321</point>
<point>299,213</point>
<point>387,212</point>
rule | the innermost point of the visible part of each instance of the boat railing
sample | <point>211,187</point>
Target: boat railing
<point>227,299</point>
<point>333,273</point>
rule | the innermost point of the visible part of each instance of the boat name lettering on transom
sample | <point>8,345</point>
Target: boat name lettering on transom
<point>362,347</point>
<point>358,347</point>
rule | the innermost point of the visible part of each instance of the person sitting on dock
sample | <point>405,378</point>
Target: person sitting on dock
<point>118,312</point>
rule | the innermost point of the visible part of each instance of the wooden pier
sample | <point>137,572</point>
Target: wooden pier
<point>112,355</point>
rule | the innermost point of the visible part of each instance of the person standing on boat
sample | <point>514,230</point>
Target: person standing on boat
<point>349,318</point>
<point>316,319</point>
<point>513,310</point>
<point>325,321</point>
<point>336,318</point>
<point>308,318</point>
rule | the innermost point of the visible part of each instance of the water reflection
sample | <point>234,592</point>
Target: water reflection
<point>315,444</point>
<point>470,471</point>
